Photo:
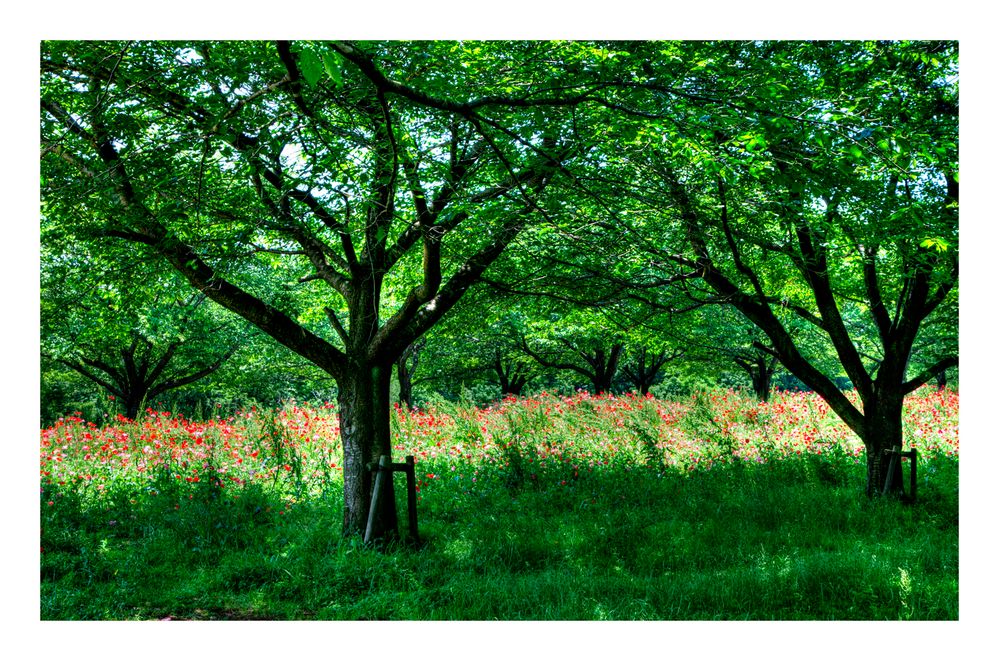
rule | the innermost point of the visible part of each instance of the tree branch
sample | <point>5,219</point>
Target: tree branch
<point>929,373</point>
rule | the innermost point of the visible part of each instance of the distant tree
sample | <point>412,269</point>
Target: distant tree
<point>135,341</point>
<point>645,367</point>
<point>142,372</point>
<point>760,365</point>
<point>512,374</point>
<point>593,360</point>
<point>405,366</point>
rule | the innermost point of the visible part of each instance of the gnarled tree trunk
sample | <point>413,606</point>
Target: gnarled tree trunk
<point>364,429</point>
<point>882,430</point>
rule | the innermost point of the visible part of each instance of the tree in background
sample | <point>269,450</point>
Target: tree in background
<point>594,360</point>
<point>512,374</point>
<point>475,350</point>
<point>645,367</point>
<point>405,366</point>
<point>137,335</point>
<point>820,181</point>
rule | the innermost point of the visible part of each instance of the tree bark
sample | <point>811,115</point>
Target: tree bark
<point>364,429</point>
<point>883,431</point>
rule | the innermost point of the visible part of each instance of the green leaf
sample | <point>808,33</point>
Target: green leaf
<point>333,64</point>
<point>934,243</point>
<point>311,67</point>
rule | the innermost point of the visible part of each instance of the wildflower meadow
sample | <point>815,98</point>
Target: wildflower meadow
<point>715,506</point>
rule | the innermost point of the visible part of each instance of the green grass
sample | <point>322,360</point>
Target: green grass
<point>740,541</point>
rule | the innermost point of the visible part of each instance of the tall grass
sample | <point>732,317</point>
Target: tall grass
<point>551,508</point>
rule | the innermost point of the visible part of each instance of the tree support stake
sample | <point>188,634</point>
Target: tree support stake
<point>384,467</point>
<point>896,456</point>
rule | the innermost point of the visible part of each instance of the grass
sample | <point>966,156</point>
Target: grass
<point>563,516</point>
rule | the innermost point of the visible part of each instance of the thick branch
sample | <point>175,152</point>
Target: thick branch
<point>117,390</point>
<point>191,378</point>
<point>929,373</point>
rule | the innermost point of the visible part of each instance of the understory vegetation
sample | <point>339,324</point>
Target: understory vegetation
<point>548,508</point>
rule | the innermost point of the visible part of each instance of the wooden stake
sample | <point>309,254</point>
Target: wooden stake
<point>891,469</point>
<point>383,468</point>
<point>912,474</point>
<point>411,496</point>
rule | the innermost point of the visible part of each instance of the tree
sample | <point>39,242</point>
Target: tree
<point>405,366</point>
<point>759,365</point>
<point>594,359</point>
<point>308,190</point>
<point>142,373</point>
<point>136,335</point>
<point>512,374</point>
<point>829,194</point>
<point>477,345</point>
<point>645,367</point>
<point>719,336</point>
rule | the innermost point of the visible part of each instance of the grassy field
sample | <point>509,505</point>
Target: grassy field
<point>549,508</point>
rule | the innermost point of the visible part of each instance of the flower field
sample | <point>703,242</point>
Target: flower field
<point>298,446</point>
<point>713,506</point>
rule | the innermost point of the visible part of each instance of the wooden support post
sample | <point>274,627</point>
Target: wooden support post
<point>411,496</point>
<point>376,494</point>
<point>897,456</point>
<point>384,469</point>
<point>912,454</point>
<point>891,469</point>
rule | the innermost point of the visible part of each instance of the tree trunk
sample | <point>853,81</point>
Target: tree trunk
<point>883,431</point>
<point>760,367</point>
<point>762,378</point>
<point>364,429</point>
<point>641,373</point>
<point>941,379</point>
<point>604,367</point>
<point>405,382</point>
<point>406,365</point>
<point>132,401</point>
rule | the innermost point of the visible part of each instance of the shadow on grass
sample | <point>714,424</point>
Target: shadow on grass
<point>793,539</point>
